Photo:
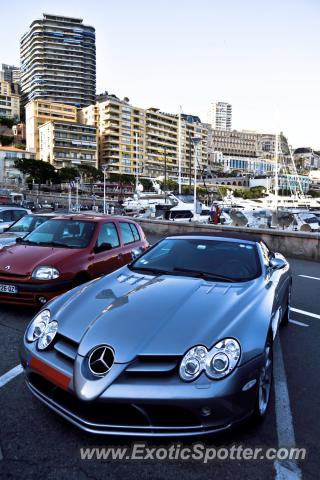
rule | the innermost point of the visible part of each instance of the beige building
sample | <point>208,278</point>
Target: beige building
<point>65,144</point>
<point>121,132</point>
<point>132,139</point>
<point>162,144</point>
<point>240,143</point>
<point>240,149</point>
<point>8,156</point>
<point>39,112</point>
<point>9,100</point>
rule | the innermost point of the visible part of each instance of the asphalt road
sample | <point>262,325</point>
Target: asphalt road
<point>35,443</point>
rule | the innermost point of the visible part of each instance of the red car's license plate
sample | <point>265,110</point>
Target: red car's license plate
<point>8,288</point>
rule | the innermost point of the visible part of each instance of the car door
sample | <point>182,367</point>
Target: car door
<point>280,279</point>
<point>107,254</point>
<point>131,241</point>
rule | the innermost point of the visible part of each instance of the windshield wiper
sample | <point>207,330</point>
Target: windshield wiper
<point>212,276</point>
<point>56,244</point>
<point>155,271</point>
<point>26,241</point>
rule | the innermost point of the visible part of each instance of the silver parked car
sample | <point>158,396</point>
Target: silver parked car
<point>9,215</point>
<point>179,342</point>
<point>22,227</point>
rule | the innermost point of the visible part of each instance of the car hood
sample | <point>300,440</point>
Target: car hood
<point>153,315</point>
<point>23,259</point>
<point>10,237</point>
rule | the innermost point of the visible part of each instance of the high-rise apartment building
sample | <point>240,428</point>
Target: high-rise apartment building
<point>9,100</point>
<point>121,131</point>
<point>65,144</point>
<point>39,112</point>
<point>58,61</point>
<point>146,141</point>
<point>9,73</point>
<point>162,144</point>
<point>220,116</point>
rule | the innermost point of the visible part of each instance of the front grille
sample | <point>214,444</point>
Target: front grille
<point>116,415</point>
<point>4,276</point>
<point>17,298</point>
<point>154,364</point>
<point>66,348</point>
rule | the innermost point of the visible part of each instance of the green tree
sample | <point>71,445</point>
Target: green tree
<point>5,140</point>
<point>8,122</point>
<point>170,185</point>
<point>36,170</point>
<point>146,183</point>
<point>90,173</point>
<point>122,178</point>
<point>67,173</point>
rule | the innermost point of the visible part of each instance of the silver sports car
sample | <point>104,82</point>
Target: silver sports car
<point>179,342</point>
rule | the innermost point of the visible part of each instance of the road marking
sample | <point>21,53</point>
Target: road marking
<point>303,312</point>
<point>285,470</point>
<point>301,324</point>
<point>10,375</point>
<point>307,276</point>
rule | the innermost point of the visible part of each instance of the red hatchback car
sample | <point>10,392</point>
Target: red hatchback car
<point>64,252</point>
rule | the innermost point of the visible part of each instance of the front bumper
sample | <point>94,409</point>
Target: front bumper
<point>29,293</point>
<point>151,408</point>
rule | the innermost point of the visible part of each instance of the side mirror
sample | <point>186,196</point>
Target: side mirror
<point>19,239</point>
<point>103,247</point>
<point>277,263</point>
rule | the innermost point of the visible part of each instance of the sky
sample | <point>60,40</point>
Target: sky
<point>260,56</point>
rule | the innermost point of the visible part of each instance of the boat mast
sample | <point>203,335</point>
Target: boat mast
<point>137,162</point>
<point>276,178</point>
<point>195,141</point>
<point>179,148</point>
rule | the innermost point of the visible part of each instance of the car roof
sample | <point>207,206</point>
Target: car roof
<point>4,207</point>
<point>94,218</point>
<point>42,215</point>
<point>225,236</point>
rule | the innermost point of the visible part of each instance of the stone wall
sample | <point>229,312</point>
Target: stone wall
<point>291,244</point>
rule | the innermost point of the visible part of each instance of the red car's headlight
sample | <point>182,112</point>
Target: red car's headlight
<point>45,273</point>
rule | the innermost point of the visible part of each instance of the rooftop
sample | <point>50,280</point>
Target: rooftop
<point>13,149</point>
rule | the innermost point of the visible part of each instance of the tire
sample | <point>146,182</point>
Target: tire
<point>264,384</point>
<point>286,315</point>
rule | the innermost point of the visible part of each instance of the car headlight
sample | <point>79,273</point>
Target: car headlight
<point>38,325</point>
<point>193,363</point>
<point>45,273</point>
<point>48,335</point>
<point>42,330</point>
<point>217,363</point>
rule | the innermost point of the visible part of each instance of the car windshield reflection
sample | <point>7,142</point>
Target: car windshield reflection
<point>62,233</point>
<point>213,259</point>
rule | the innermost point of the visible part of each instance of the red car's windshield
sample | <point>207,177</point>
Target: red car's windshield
<point>62,233</point>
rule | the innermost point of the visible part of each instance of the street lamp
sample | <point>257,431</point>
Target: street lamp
<point>77,194</point>
<point>104,169</point>
<point>195,141</point>
<point>165,175</point>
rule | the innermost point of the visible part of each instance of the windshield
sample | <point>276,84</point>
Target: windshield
<point>62,233</point>
<point>27,223</point>
<point>310,220</point>
<point>215,259</point>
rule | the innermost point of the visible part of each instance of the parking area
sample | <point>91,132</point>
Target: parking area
<point>34,442</point>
